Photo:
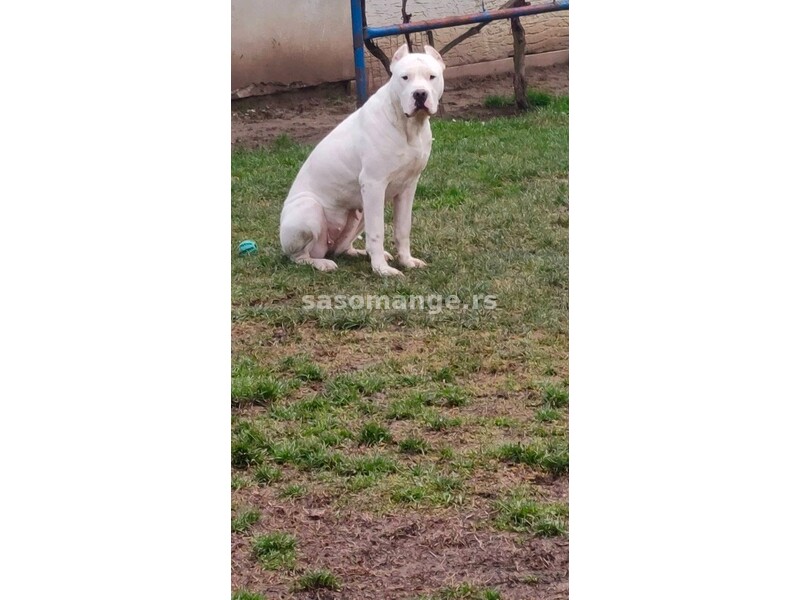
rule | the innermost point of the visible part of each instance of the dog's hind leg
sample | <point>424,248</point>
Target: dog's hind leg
<point>354,226</point>
<point>351,229</point>
<point>304,233</point>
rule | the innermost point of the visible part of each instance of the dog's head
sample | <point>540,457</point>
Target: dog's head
<point>417,80</point>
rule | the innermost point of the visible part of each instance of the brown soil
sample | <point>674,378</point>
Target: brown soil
<point>311,115</point>
<point>402,555</point>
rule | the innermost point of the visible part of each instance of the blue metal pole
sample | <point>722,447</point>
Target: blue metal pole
<point>482,17</point>
<point>358,51</point>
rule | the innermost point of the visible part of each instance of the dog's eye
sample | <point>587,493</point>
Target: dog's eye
<point>433,76</point>
<point>405,76</point>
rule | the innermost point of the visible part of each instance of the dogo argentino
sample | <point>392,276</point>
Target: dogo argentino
<point>375,155</point>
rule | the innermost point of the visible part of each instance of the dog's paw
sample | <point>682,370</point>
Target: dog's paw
<point>412,263</point>
<point>323,264</point>
<point>353,252</point>
<point>387,271</point>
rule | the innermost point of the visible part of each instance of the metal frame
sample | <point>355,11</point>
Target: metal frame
<point>361,33</point>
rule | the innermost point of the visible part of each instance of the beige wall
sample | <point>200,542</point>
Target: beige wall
<point>275,43</point>
<point>280,43</point>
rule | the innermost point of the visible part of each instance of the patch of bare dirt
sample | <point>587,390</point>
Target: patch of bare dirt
<point>333,350</point>
<point>402,555</point>
<point>309,116</point>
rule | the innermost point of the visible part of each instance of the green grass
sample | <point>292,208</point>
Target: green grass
<point>447,453</point>
<point>555,397</point>
<point>485,227</point>
<point>517,512</point>
<point>267,474</point>
<point>248,444</point>
<point>359,482</point>
<point>548,415</point>
<point>317,580</point>
<point>450,396</point>
<point>551,456</point>
<point>464,591</point>
<point>535,99</point>
<point>391,411</point>
<point>303,368</point>
<point>245,595</point>
<point>445,375</point>
<point>252,384</point>
<point>373,433</point>
<point>414,445</point>
<point>439,422</point>
<point>505,422</point>
<point>293,490</point>
<point>428,486</point>
<point>367,465</point>
<point>275,550</point>
<point>348,388</point>
<point>307,454</point>
<point>244,520</point>
<point>410,407</point>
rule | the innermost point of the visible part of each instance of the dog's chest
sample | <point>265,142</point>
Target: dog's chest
<point>410,163</point>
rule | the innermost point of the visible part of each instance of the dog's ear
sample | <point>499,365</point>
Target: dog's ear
<point>401,52</point>
<point>431,51</point>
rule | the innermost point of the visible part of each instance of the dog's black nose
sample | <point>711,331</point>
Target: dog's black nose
<point>419,97</point>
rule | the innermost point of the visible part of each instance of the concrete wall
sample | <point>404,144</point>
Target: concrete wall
<point>277,44</point>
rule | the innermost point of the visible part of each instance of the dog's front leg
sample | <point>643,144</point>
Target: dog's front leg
<point>402,227</point>
<point>372,194</point>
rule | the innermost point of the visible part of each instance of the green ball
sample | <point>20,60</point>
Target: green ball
<point>247,247</point>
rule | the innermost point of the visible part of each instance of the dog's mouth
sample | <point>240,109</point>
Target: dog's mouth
<point>419,108</point>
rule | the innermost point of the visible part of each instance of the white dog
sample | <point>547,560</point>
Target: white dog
<point>375,155</point>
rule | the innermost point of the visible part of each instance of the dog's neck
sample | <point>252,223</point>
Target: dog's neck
<point>414,125</point>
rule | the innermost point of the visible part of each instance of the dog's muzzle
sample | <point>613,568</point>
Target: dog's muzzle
<point>420,97</point>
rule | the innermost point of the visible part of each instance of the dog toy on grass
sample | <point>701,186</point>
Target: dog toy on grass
<point>247,247</point>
